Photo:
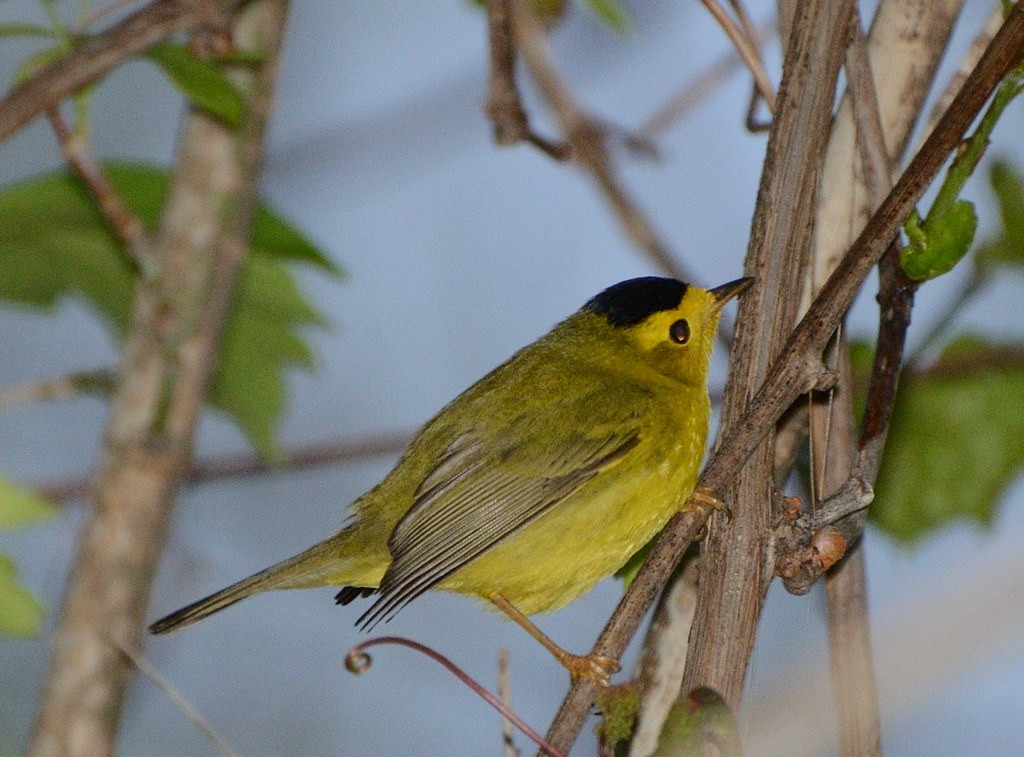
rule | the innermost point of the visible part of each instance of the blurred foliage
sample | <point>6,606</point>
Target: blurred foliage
<point>699,724</point>
<point>1006,250</point>
<point>55,244</point>
<point>21,614</point>
<point>957,436</point>
<point>956,439</point>
<point>618,706</point>
<point>613,13</point>
<point>201,80</point>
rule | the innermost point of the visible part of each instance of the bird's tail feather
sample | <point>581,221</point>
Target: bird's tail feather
<point>303,570</point>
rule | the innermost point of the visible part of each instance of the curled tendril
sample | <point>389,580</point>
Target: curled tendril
<point>357,661</point>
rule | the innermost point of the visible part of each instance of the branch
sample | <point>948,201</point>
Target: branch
<point>225,466</point>
<point>850,649</point>
<point>746,47</point>
<point>587,140</point>
<point>735,571</point>
<point>169,354</point>
<point>125,224</point>
<point>99,54</point>
<point>61,388</point>
<point>795,369</point>
<point>504,105</point>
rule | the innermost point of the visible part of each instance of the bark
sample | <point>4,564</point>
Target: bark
<point>169,354</point>
<point>736,569</point>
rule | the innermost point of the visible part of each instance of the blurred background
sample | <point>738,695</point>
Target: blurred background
<point>457,253</point>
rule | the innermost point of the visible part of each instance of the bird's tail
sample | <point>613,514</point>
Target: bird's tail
<point>320,565</point>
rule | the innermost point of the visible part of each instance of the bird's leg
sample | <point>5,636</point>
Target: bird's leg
<point>592,667</point>
<point>704,498</point>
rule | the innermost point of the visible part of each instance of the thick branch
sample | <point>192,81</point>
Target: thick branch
<point>169,354</point>
<point>735,571</point>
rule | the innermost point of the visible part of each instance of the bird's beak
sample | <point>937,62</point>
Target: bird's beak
<point>726,292</point>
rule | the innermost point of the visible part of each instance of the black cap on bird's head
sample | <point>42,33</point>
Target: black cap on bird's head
<point>634,301</point>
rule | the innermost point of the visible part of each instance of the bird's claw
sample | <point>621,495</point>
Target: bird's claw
<point>704,498</point>
<point>592,667</point>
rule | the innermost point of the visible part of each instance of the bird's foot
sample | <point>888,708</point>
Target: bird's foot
<point>703,499</point>
<point>592,667</point>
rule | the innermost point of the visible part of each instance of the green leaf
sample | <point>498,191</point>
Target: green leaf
<point>956,440</point>
<point>939,243</point>
<point>25,30</point>
<point>275,238</point>
<point>618,706</point>
<point>257,342</point>
<point>54,244</point>
<point>20,506</point>
<point>612,12</point>
<point>201,81</point>
<point>21,614</point>
<point>1007,249</point>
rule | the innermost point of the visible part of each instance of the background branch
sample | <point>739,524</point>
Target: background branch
<point>908,40</point>
<point>587,139</point>
<point>124,223</point>
<point>99,54</point>
<point>168,356</point>
<point>233,466</point>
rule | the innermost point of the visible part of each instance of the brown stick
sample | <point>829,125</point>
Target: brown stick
<point>169,354</point>
<point>119,217</point>
<point>235,466</point>
<point>735,573</point>
<point>97,55</point>
<point>797,368</point>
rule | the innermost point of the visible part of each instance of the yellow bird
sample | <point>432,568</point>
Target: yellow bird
<point>539,480</point>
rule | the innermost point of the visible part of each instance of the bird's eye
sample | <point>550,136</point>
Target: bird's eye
<point>679,332</point>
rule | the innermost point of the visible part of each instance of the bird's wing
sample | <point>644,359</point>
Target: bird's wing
<point>481,491</point>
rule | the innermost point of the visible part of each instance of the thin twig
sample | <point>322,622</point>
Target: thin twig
<point>119,217</point>
<point>358,661</point>
<point>177,699</point>
<point>505,693</point>
<point>61,388</point>
<point>236,466</point>
<point>695,92</point>
<point>967,64</point>
<point>587,138</point>
<point>954,306</point>
<point>796,369</point>
<point>504,105</point>
<point>94,17</point>
<point>99,54</point>
<point>747,49</point>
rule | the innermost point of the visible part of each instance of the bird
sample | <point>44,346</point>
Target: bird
<point>538,481</point>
